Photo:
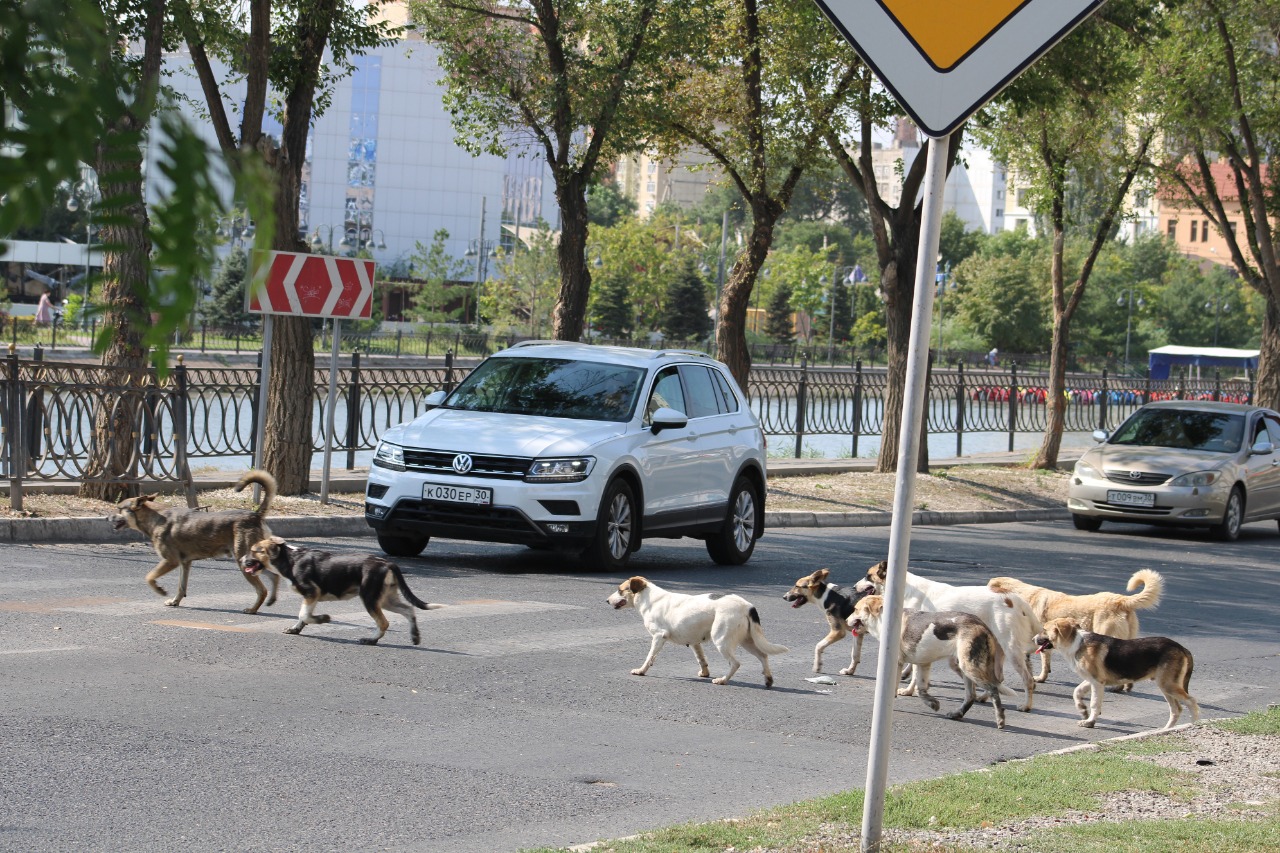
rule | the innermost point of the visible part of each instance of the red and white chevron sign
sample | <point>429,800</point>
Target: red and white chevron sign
<point>313,286</point>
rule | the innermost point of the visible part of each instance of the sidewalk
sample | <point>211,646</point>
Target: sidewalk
<point>99,530</point>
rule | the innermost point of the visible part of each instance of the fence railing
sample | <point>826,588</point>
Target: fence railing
<point>48,410</point>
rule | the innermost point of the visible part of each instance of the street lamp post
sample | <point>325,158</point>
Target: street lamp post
<point>1219,306</point>
<point>326,243</point>
<point>841,274</point>
<point>1129,296</point>
<point>370,243</point>
<point>86,187</point>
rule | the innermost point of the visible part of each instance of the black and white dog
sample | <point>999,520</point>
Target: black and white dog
<point>837,605</point>
<point>320,576</point>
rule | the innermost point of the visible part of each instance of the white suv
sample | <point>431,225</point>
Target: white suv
<point>576,447</point>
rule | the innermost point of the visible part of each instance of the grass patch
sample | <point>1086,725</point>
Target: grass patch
<point>1254,723</point>
<point>1167,836</point>
<point>1048,785</point>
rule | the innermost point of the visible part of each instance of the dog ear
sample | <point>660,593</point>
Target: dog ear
<point>142,499</point>
<point>875,604</point>
<point>637,583</point>
<point>820,576</point>
<point>278,541</point>
<point>879,572</point>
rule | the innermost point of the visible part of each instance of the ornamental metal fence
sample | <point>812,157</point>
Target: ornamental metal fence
<point>161,426</point>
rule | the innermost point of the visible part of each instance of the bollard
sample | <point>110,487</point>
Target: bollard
<point>448,370</point>
<point>353,410</point>
<point>857,406</point>
<point>1104,397</point>
<point>960,410</point>
<point>1013,402</point>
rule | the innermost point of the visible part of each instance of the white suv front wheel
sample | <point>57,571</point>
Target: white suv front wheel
<point>611,547</point>
<point>736,539</point>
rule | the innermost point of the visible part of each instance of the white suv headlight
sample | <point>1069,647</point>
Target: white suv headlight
<point>560,470</point>
<point>389,455</point>
<point>1199,478</point>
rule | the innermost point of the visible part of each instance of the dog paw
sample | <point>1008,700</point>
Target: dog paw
<point>1087,724</point>
<point>848,670</point>
<point>270,601</point>
<point>934,705</point>
<point>416,639</point>
<point>638,672</point>
<point>296,629</point>
<point>251,610</point>
<point>706,673</point>
<point>322,618</point>
<point>954,715</point>
<point>720,680</point>
<point>768,682</point>
<point>906,691</point>
<point>172,602</point>
<point>369,641</point>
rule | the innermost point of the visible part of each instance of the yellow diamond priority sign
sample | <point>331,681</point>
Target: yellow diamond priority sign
<point>943,59</point>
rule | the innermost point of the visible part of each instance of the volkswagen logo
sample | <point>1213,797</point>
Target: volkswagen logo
<point>462,463</point>
<point>1133,475</point>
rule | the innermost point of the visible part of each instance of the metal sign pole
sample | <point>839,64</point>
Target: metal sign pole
<point>887,666</point>
<point>260,429</point>
<point>328,409</point>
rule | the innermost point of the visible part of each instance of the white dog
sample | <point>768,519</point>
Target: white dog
<point>1008,616</point>
<point>726,621</point>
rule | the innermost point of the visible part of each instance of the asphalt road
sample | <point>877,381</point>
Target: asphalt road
<point>128,725</point>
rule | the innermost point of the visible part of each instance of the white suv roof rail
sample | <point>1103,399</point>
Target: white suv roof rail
<point>661,352</point>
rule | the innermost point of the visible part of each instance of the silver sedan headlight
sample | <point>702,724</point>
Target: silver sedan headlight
<point>1084,469</point>
<point>560,470</point>
<point>1198,478</point>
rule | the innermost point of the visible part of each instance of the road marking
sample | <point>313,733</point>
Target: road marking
<point>53,605</point>
<point>551,641</point>
<point>204,626</point>
<point>42,651</point>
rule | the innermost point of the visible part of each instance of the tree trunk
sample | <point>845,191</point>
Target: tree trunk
<point>575,279</point>
<point>1268,386</point>
<point>124,275</point>
<point>1056,395</point>
<point>735,299</point>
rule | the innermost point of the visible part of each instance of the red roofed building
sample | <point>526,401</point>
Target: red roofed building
<point>1184,222</point>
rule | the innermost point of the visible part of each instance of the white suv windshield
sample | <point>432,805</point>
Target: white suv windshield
<point>550,387</point>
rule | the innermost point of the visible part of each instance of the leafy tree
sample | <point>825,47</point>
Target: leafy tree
<point>437,271</point>
<point>1001,298</point>
<point>1218,71</point>
<point>779,325</point>
<point>607,206</point>
<point>685,317</point>
<point>226,304</point>
<point>521,299</point>
<point>296,53</point>
<point>806,275</point>
<point>1054,133</point>
<point>757,100</point>
<point>613,316</point>
<point>955,243</point>
<point>646,255</point>
<point>568,74</point>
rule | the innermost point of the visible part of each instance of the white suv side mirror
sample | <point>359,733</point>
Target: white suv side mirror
<point>665,418</point>
<point>1099,435</point>
<point>434,399</point>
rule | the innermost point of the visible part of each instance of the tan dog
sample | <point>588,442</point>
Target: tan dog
<point>961,638</point>
<point>725,621</point>
<point>1104,661</point>
<point>837,606</point>
<point>1107,613</point>
<point>181,536</point>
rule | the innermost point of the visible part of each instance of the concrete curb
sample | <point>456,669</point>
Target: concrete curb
<point>57,531</point>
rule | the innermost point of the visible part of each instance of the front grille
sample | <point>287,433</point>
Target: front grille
<point>440,462</point>
<point>1144,478</point>
<point>461,515</point>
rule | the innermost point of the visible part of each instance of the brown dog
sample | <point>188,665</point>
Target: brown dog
<point>181,536</point>
<point>1104,661</point>
<point>1107,613</point>
<point>837,605</point>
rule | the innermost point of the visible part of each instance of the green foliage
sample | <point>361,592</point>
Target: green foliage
<point>645,256</point>
<point>225,306</point>
<point>955,243</point>
<point>779,325</point>
<point>685,317</point>
<point>613,315</point>
<point>435,272</point>
<point>521,290</point>
<point>1254,723</point>
<point>806,274</point>
<point>1003,300</point>
<point>607,206</point>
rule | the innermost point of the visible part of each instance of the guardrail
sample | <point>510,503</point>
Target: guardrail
<point>47,410</point>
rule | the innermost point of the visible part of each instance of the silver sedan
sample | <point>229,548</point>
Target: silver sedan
<point>1182,462</point>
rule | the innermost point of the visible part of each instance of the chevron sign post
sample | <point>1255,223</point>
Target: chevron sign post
<point>303,285</point>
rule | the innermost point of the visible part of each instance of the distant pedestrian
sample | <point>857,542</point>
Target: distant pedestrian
<point>993,357</point>
<point>44,310</point>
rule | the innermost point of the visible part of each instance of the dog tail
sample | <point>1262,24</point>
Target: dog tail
<point>268,483</point>
<point>757,636</point>
<point>1152,586</point>
<point>408,593</point>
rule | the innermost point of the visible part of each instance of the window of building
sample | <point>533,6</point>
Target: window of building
<point>653,168</point>
<point>999,212</point>
<point>1173,229</point>
<point>1231,226</point>
<point>1204,232</point>
<point>1193,230</point>
<point>1022,197</point>
<point>653,187</point>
